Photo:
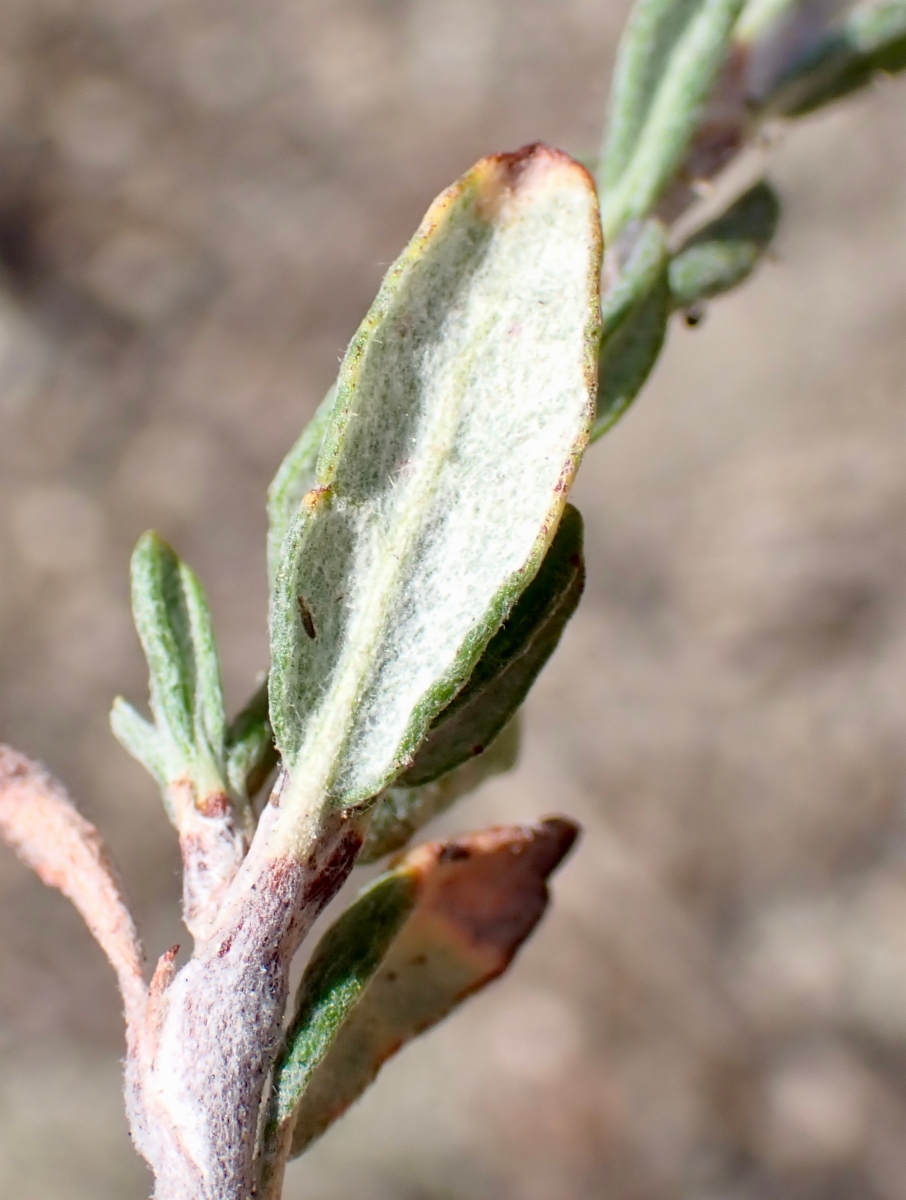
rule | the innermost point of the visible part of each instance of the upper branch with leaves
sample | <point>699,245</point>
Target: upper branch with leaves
<point>423,563</point>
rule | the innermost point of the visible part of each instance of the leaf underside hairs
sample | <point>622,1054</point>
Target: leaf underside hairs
<point>510,663</point>
<point>461,411</point>
<point>423,563</point>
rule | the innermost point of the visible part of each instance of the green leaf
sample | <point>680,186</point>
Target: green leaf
<point>174,625</point>
<point>511,662</point>
<point>251,754</point>
<point>463,407</point>
<point>667,64</point>
<point>208,711</point>
<point>436,928</point>
<point>143,742</point>
<point>162,621</point>
<point>758,16</point>
<point>633,271</point>
<point>871,40</point>
<point>635,308</point>
<point>402,811</point>
<point>726,251</point>
<point>342,966</point>
<point>293,480</point>
<point>649,38</point>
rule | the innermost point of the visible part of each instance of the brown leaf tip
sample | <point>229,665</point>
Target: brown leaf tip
<point>530,162</point>
<point>560,834</point>
<point>492,886</point>
<point>504,178</point>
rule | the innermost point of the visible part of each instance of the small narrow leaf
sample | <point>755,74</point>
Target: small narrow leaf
<point>342,967</point>
<point>251,753</point>
<point>402,811</point>
<point>870,41</point>
<point>436,928</point>
<point>649,38</point>
<point>185,750</point>
<point>463,406</point>
<point>634,269</point>
<point>293,480</point>
<point>174,625</point>
<point>511,662</point>
<point>162,621</point>
<point>143,742</point>
<point>667,65</point>
<point>210,720</point>
<point>758,16</point>
<point>726,251</point>
<point>635,308</point>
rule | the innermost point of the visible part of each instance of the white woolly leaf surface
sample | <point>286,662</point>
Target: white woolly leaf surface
<point>463,406</point>
<point>296,476</point>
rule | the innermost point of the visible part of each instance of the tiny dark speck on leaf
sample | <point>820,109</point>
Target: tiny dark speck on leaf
<point>454,853</point>
<point>694,316</point>
<point>391,976</point>
<point>308,621</point>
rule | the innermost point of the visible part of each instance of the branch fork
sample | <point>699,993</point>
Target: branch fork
<point>200,1042</point>
<point>203,1042</point>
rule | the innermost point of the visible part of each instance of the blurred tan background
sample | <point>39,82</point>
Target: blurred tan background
<point>197,201</point>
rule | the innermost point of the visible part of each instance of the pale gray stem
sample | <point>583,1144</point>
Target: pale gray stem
<point>211,1044</point>
<point>213,844</point>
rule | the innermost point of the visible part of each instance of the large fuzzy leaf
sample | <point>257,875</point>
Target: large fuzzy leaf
<point>468,725</point>
<point>296,477</point>
<point>667,65</point>
<point>438,926</point>
<point>463,406</point>
<point>511,662</point>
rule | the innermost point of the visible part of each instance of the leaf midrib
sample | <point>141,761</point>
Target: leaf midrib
<point>330,728</point>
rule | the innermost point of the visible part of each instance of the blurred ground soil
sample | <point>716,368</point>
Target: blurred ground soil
<point>197,202</point>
